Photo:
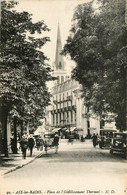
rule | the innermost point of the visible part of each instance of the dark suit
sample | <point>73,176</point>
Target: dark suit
<point>31,144</point>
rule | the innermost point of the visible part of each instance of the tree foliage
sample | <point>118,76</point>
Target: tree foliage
<point>97,43</point>
<point>24,69</point>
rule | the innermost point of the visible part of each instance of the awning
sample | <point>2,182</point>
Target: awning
<point>40,130</point>
<point>56,129</point>
<point>64,129</point>
<point>78,129</point>
<point>72,128</point>
<point>37,133</point>
<point>48,132</point>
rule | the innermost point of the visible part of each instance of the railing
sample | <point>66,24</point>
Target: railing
<point>68,108</point>
<point>55,102</point>
<point>69,98</point>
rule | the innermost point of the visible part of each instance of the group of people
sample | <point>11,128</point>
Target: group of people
<point>94,139</point>
<point>29,143</point>
<point>26,143</point>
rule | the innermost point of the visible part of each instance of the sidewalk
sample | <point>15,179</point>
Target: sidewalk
<point>15,161</point>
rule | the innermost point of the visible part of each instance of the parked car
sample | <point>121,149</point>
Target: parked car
<point>105,138</point>
<point>119,143</point>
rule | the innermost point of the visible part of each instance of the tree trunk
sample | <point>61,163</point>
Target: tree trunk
<point>126,71</point>
<point>5,135</point>
<point>124,124</point>
<point>1,148</point>
<point>3,121</point>
<point>21,128</point>
<point>15,136</point>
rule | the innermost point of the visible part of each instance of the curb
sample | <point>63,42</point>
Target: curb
<point>20,166</point>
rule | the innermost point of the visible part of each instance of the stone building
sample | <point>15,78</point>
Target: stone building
<point>67,111</point>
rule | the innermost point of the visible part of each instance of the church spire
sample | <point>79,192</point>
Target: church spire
<point>59,63</point>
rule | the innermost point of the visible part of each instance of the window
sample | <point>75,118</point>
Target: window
<point>58,80</point>
<point>53,117</point>
<point>60,118</point>
<point>62,79</point>
<point>60,65</point>
<point>56,98</point>
<point>71,117</point>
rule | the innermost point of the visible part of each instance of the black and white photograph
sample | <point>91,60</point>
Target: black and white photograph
<point>63,97</point>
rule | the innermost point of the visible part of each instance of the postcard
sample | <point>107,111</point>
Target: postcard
<point>62,116</point>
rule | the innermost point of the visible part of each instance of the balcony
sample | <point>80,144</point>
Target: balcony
<point>71,107</point>
<point>69,98</point>
<point>55,102</point>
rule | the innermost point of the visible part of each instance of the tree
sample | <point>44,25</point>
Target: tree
<point>96,42</point>
<point>24,70</point>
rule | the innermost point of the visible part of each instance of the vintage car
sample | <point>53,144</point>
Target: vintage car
<point>119,143</point>
<point>48,140</point>
<point>105,138</point>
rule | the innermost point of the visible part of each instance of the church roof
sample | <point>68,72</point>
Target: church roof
<point>59,63</point>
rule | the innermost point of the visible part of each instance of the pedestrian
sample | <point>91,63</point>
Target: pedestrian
<point>97,139</point>
<point>56,142</point>
<point>71,138</point>
<point>31,143</point>
<point>38,143</point>
<point>24,145</point>
<point>13,145</point>
<point>94,138</point>
<point>41,143</point>
<point>82,139</point>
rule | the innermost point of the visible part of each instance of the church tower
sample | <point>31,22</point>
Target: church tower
<point>59,65</point>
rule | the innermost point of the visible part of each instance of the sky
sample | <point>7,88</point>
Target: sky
<point>52,12</point>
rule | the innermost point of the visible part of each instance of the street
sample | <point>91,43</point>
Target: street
<point>77,168</point>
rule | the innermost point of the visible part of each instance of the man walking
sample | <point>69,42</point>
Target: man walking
<point>56,142</point>
<point>31,143</point>
<point>24,145</point>
<point>94,140</point>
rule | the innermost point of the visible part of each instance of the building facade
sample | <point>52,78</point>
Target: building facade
<point>67,110</point>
